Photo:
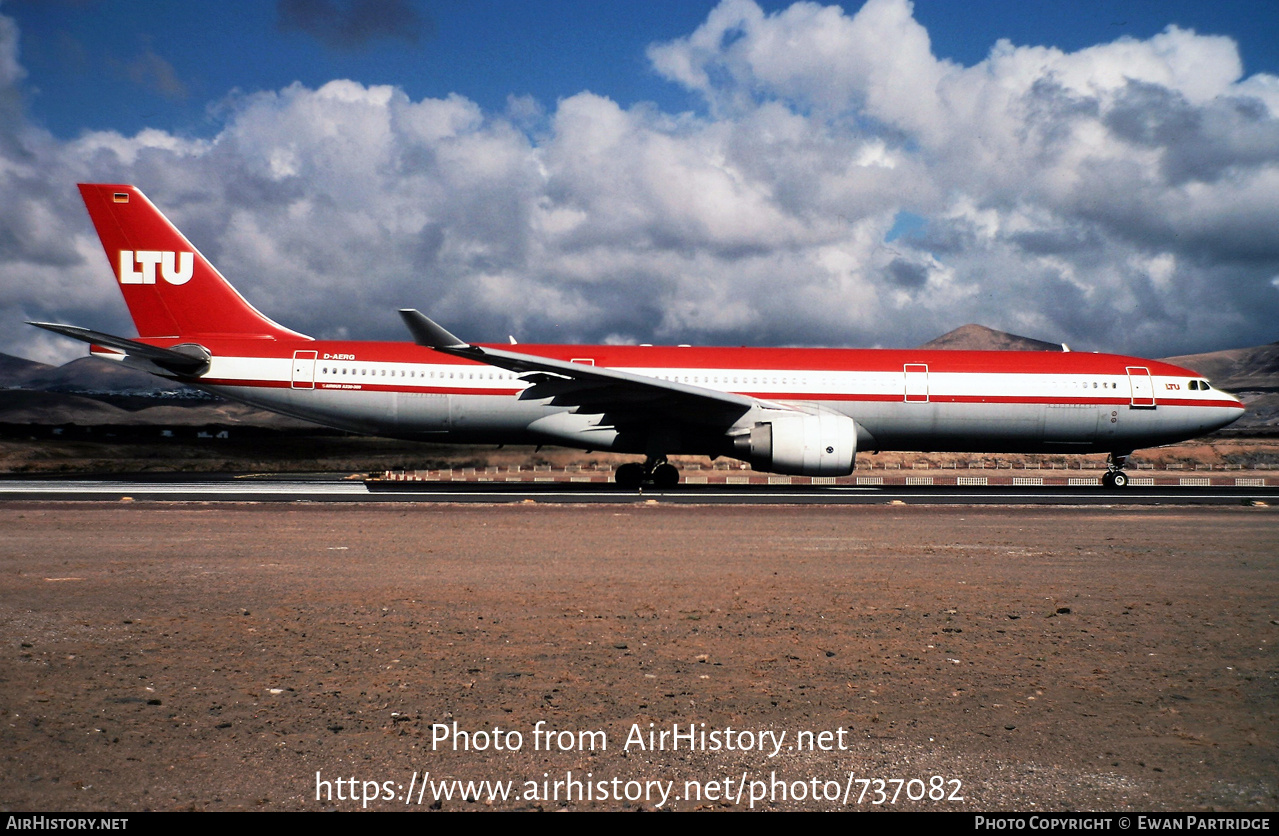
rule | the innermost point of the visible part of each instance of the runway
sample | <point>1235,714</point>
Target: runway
<point>331,489</point>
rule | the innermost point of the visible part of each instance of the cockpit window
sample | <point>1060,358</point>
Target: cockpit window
<point>1203,384</point>
<point>1194,385</point>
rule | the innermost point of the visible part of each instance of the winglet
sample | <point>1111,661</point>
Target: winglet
<point>427,333</point>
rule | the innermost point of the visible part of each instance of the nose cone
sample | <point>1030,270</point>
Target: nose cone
<point>1228,413</point>
<point>1222,411</point>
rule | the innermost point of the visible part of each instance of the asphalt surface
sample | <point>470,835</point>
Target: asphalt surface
<point>322,489</point>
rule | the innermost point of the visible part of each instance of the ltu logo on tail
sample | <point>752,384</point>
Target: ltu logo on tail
<point>139,267</point>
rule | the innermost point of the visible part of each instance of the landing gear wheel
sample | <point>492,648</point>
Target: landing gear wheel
<point>629,476</point>
<point>1115,479</point>
<point>665,476</point>
<point>1115,476</point>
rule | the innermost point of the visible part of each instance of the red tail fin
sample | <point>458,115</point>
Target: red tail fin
<point>171,290</point>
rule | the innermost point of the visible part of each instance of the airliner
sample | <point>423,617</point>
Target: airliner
<point>803,411</point>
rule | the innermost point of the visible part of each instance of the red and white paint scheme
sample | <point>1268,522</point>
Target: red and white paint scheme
<point>787,410</point>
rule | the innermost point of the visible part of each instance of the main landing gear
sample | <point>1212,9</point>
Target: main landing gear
<point>1114,476</point>
<point>655,471</point>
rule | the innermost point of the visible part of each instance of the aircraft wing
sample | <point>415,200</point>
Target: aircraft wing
<point>591,388</point>
<point>177,362</point>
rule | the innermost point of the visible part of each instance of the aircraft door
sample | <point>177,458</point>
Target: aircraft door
<point>304,369</point>
<point>1143,389</point>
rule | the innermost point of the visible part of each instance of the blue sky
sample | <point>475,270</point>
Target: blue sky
<point>745,173</point>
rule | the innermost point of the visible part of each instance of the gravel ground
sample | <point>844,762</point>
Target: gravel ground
<point>221,656</point>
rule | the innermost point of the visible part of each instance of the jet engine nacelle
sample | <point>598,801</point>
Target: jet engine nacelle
<point>823,444</point>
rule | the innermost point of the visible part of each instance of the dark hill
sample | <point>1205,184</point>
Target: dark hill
<point>1253,369</point>
<point>981,338</point>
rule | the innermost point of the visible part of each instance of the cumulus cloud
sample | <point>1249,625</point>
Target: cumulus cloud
<point>1121,197</point>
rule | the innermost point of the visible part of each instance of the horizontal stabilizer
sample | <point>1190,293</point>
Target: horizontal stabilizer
<point>179,362</point>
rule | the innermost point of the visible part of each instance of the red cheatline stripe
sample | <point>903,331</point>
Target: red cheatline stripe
<point>772,396</point>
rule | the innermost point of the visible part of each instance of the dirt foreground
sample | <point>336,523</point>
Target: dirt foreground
<point>230,657</point>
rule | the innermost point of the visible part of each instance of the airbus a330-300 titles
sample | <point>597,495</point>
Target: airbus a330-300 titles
<point>804,411</point>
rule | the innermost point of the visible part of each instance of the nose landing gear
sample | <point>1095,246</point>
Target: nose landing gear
<point>655,471</point>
